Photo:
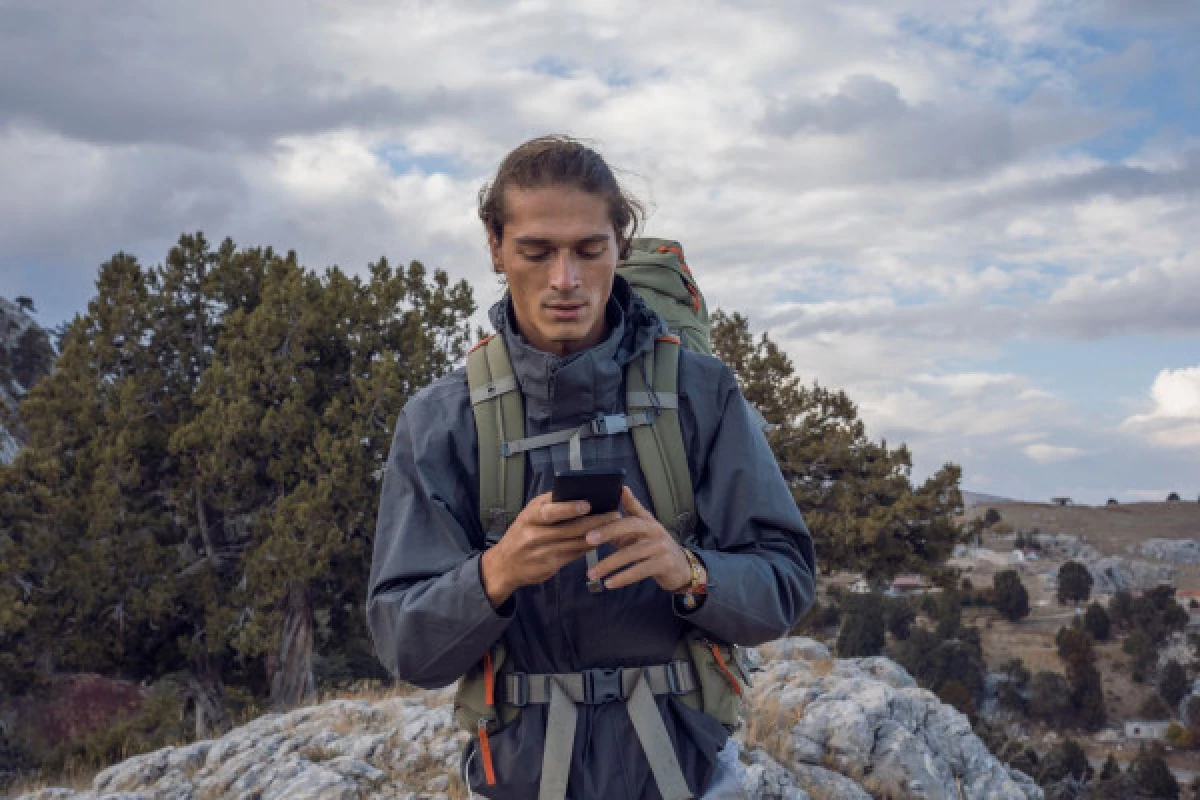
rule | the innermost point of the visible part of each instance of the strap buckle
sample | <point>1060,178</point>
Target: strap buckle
<point>601,686</point>
<point>517,689</point>
<point>674,682</point>
<point>609,424</point>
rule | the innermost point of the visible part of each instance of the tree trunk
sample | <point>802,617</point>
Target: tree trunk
<point>291,669</point>
<point>208,697</point>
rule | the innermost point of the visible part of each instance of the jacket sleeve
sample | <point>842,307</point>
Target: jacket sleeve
<point>429,617</point>
<point>753,540</point>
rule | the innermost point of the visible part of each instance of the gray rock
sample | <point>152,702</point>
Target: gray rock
<point>824,727</point>
<point>1177,551</point>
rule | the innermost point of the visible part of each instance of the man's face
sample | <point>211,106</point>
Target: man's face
<point>559,256</point>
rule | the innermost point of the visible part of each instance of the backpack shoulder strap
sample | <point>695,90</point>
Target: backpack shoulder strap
<point>499,417</point>
<point>652,382</point>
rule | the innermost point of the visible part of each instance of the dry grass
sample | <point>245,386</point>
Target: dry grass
<point>768,726</point>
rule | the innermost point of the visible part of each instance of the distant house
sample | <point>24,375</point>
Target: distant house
<point>1061,501</point>
<point>1146,729</point>
<point>907,584</point>
<point>1030,554</point>
<point>860,586</point>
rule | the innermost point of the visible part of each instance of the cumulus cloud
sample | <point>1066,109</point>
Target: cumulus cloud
<point>898,193</point>
<point>1174,419</point>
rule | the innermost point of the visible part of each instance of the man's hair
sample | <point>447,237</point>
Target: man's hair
<point>559,160</point>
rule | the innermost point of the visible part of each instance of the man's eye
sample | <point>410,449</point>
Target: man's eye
<point>540,255</point>
<point>593,253</point>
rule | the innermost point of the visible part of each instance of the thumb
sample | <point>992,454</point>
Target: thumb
<point>631,505</point>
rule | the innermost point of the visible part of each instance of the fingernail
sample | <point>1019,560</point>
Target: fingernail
<point>593,538</point>
<point>581,508</point>
<point>591,574</point>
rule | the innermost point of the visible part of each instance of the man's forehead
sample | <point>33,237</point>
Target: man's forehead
<point>560,215</point>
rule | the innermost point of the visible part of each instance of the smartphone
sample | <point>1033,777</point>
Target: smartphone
<point>600,487</point>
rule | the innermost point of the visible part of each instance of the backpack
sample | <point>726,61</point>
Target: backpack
<point>705,674</point>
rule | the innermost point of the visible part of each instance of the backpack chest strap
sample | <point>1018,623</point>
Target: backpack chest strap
<point>605,425</point>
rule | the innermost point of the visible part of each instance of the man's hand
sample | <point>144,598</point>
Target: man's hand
<point>543,538</point>
<point>645,549</point>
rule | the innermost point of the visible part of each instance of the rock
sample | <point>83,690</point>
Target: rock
<point>817,728</point>
<point>1177,551</point>
<point>26,356</point>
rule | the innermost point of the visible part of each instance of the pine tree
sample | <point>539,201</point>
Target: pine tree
<point>1173,684</point>
<point>856,494</point>
<point>203,468</point>
<point>1009,595</point>
<point>1074,583</point>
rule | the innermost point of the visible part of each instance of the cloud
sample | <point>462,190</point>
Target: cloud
<point>1050,454</point>
<point>1174,419</point>
<point>900,194</point>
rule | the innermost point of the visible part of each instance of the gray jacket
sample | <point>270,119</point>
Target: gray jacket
<point>426,607</point>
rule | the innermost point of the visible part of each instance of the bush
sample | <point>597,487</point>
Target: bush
<point>1153,707</point>
<point>1064,760</point>
<point>1074,583</point>
<point>899,616</point>
<point>862,631</point>
<point>1173,684</point>
<point>954,693</point>
<point>1095,622</point>
<point>1151,776</point>
<point>991,517</point>
<point>1009,595</point>
<point>1050,699</point>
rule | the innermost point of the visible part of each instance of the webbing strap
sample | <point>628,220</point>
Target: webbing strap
<point>660,447</point>
<point>656,742</point>
<point>498,416</point>
<point>596,686</point>
<point>562,691</point>
<point>560,742</point>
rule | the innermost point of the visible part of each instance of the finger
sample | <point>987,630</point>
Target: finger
<point>552,513</point>
<point>621,559</point>
<point>577,528</point>
<point>638,572</point>
<point>632,505</point>
<point>621,532</point>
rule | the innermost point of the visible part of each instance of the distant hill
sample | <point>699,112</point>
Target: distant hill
<point>972,499</point>
<point>26,355</point>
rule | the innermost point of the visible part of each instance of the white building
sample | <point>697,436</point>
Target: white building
<point>1146,729</point>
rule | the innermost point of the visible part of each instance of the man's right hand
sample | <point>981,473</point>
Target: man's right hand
<point>545,537</point>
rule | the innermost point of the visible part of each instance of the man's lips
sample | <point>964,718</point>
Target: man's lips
<point>565,310</point>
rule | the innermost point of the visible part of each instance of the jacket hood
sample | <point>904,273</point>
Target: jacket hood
<point>565,389</point>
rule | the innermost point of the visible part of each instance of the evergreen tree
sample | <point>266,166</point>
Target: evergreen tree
<point>1095,622</point>
<point>856,494</point>
<point>1074,583</point>
<point>1151,776</point>
<point>202,474</point>
<point>1009,595</point>
<point>862,631</point>
<point>1173,684</point>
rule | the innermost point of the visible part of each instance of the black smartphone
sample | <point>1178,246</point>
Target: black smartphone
<point>600,487</point>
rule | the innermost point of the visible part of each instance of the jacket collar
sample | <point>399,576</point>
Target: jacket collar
<point>563,390</point>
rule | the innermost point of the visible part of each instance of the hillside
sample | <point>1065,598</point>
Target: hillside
<point>817,727</point>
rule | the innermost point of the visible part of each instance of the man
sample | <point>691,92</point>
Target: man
<point>441,599</point>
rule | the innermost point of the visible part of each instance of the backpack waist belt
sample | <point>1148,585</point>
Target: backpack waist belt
<point>636,686</point>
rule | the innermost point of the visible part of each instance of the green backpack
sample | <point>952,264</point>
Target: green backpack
<point>705,674</point>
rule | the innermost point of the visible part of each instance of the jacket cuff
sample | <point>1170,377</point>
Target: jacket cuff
<point>505,611</point>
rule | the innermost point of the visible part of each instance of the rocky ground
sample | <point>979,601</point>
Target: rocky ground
<point>817,727</point>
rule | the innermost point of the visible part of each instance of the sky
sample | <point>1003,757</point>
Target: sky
<point>980,219</point>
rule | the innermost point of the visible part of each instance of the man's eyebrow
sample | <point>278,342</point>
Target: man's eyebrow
<point>537,241</point>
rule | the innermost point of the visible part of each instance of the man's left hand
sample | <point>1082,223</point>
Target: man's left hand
<point>645,549</point>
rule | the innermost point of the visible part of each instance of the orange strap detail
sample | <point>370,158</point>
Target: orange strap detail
<point>666,337</point>
<point>679,252</point>
<point>481,343</point>
<point>489,680</point>
<point>737,687</point>
<point>485,750</point>
<point>695,296</point>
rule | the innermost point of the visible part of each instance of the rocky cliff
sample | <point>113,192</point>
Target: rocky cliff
<point>25,356</point>
<point>817,727</point>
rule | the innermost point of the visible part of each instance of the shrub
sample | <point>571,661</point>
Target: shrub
<point>1074,583</point>
<point>1173,684</point>
<point>862,631</point>
<point>1009,595</point>
<point>1095,622</point>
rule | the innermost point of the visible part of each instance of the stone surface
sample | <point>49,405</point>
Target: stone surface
<point>25,356</point>
<point>817,728</point>
<point>1177,551</point>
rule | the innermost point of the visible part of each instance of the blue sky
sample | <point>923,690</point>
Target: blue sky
<point>978,218</point>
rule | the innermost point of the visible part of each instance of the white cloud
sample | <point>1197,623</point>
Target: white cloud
<point>1174,420</point>
<point>1050,454</point>
<point>898,192</point>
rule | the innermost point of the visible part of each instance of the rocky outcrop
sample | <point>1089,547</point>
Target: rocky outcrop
<point>1177,551</point>
<point>25,356</point>
<point>818,728</point>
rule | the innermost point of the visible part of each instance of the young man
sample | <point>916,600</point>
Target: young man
<point>441,598</point>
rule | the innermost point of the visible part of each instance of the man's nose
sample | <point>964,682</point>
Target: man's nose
<point>564,274</point>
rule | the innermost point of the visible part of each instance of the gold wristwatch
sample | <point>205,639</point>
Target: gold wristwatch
<point>689,595</point>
